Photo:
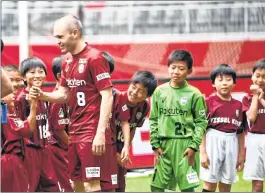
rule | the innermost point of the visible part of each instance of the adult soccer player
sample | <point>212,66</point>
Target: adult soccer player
<point>86,86</point>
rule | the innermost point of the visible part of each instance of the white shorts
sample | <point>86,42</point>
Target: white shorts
<point>222,150</point>
<point>255,157</point>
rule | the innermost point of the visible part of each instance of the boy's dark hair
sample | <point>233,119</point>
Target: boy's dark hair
<point>11,68</point>
<point>2,45</point>
<point>31,62</point>
<point>57,66</point>
<point>110,60</point>
<point>147,79</point>
<point>259,65</point>
<point>223,69</point>
<point>180,55</point>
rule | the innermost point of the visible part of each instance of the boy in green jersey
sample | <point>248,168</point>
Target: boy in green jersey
<point>177,123</point>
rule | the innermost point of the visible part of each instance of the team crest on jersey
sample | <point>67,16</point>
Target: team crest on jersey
<point>61,113</point>
<point>19,123</point>
<point>237,113</point>
<point>138,115</point>
<point>124,107</point>
<point>183,100</point>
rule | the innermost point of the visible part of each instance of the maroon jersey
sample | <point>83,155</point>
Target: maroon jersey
<point>58,120</point>
<point>225,116</point>
<point>39,137</point>
<point>12,135</point>
<point>259,125</point>
<point>85,74</point>
<point>138,114</point>
<point>120,112</point>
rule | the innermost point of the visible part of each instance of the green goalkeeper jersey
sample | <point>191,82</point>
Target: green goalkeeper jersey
<point>177,113</point>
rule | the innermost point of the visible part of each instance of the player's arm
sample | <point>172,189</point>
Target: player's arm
<point>241,151</point>
<point>59,96</point>
<point>63,135</point>
<point>6,84</point>
<point>153,119</point>
<point>126,136</point>
<point>32,115</point>
<point>98,146</point>
<point>199,116</point>
<point>261,98</point>
<point>253,109</point>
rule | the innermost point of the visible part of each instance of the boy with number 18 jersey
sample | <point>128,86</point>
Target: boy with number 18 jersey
<point>177,123</point>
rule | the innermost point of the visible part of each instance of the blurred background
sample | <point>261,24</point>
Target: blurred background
<point>140,35</point>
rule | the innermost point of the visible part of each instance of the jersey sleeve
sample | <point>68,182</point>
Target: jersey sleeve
<point>200,121</point>
<point>246,103</point>
<point>19,127</point>
<point>99,70</point>
<point>154,140</point>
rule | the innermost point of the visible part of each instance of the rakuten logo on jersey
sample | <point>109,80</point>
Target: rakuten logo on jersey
<point>75,82</point>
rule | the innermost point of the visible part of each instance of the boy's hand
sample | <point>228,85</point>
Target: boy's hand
<point>35,92</point>
<point>157,153</point>
<point>190,153</point>
<point>124,154</point>
<point>205,162</point>
<point>261,95</point>
<point>255,89</point>
<point>240,163</point>
<point>122,164</point>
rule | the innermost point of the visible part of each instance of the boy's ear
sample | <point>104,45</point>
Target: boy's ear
<point>189,71</point>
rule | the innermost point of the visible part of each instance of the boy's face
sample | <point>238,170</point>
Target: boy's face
<point>224,84</point>
<point>35,76</point>
<point>9,100</point>
<point>178,71</point>
<point>16,80</point>
<point>258,78</point>
<point>136,93</point>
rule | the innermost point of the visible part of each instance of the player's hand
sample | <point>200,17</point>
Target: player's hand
<point>157,154</point>
<point>261,95</point>
<point>98,145</point>
<point>205,162</point>
<point>35,92</point>
<point>190,153</point>
<point>240,163</point>
<point>255,89</point>
<point>125,154</point>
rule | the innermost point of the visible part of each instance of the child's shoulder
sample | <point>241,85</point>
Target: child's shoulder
<point>193,89</point>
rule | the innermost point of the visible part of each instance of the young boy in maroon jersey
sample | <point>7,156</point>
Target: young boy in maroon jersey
<point>254,107</point>
<point>15,77</point>
<point>37,160</point>
<point>14,177</point>
<point>132,102</point>
<point>222,148</point>
<point>58,140</point>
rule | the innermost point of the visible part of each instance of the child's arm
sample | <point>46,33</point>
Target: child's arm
<point>205,162</point>
<point>32,115</point>
<point>253,109</point>
<point>241,152</point>
<point>63,135</point>
<point>126,137</point>
<point>261,98</point>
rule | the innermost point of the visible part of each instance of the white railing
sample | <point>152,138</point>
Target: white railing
<point>134,20</point>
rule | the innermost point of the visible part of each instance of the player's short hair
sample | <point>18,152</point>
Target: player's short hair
<point>31,62</point>
<point>223,69</point>
<point>259,65</point>
<point>110,60</point>
<point>180,55</point>
<point>147,79</point>
<point>57,66</point>
<point>11,68</point>
<point>2,45</point>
